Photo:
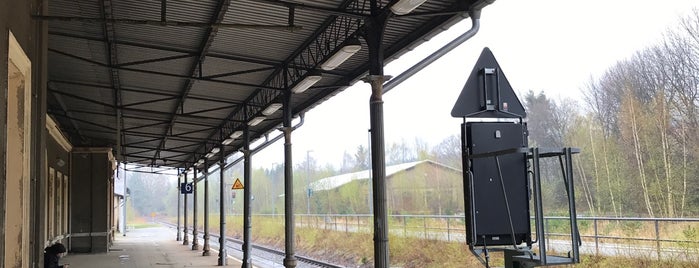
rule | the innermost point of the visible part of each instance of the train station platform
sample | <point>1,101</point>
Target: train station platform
<point>147,247</point>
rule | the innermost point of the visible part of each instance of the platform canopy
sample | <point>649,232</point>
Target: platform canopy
<point>185,75</point>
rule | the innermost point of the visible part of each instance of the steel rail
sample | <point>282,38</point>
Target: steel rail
<point>307,260</point>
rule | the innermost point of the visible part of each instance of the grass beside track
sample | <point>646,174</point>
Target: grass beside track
<point>356,249</point>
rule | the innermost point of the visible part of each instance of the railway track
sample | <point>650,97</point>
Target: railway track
<point>270,259</point>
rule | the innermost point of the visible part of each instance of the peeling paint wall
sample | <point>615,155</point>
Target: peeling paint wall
<point>29,190</point>
<point>17,175</point>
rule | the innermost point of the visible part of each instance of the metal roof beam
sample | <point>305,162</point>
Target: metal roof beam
<point>320,10</point>
<point>319,45</point>
<point>159,172</point>
<point>197,78</point>
<point>149,158</point>
<point>172,49</point>
<point>153,60</point>
<point>86,122</point>
<point>169,23</point>
<point>65,111</point>
<point>131,117</point>
<point>192,132</point>
<point>175,138</point>
<point>185,146</point>
<point>126,145</point>
<point>144,91</point>
<point>195,69</point>
<point>239,72</point>
<point>147,102</point>
<point>113,59</point>
<point>186,116</point>
<point>189,78</point>
<point>149,149</point>
<point>52,111</point>
<point>145,126</point>
<point>81,98</point>
<point>208,110</point>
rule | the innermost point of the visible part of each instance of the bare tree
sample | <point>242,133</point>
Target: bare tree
<point>448,152</point>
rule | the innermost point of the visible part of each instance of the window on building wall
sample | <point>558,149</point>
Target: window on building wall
<point>65,204</point>
<point>51,204</point>
<point>58,210</point>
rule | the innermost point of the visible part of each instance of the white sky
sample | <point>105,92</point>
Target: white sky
<point>552,45</point>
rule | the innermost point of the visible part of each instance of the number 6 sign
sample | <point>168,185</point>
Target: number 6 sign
<point>186,188</point>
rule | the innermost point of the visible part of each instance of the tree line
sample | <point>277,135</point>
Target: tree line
<point>638,130</point>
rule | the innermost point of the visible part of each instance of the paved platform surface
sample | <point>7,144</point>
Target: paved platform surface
<point>147,247</point>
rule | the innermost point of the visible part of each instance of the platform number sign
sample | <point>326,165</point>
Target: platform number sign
<point>186,188</point>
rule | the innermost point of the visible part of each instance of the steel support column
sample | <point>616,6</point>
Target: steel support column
<point>374,37</point>
<point>289,224</point>
<point>378,163</point>
<point>538,206</point>
<point>247,218</point>
<point>185,240</point>
<point>574,232</point>
<point>195,239</point>
<point>207,248</point>
<point>222,213</point>
<point>125,199</point>
<point>179,205</point>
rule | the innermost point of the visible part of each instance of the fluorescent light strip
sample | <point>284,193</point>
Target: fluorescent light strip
<point>340,56</point>
<point>406,6</point>
<point>236,134</point>
<point>256,120</point>
<point>273,107</point>
<point>306,83</point>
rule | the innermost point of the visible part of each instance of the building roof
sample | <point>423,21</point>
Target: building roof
<point>171,80</point>
<point>342,179</point>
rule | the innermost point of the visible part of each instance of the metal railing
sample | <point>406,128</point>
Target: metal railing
<point>661,238</point>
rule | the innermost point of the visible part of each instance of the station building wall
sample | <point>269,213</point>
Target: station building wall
<point>23,137</point>
<point>37,186</point>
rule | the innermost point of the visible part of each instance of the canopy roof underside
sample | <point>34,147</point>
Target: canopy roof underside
<point>184,75</point>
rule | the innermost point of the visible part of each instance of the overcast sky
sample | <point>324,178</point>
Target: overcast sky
<point>555,46</point>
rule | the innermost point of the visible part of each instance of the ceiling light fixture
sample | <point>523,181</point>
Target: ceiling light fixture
<point>406,6</point>
<point>311,78</point>
<point>273,107</point>
<point>227,141</point>
<point>236,134</point>
<point>350,47</point>
<point>256,120</point>
<point>215,150</point>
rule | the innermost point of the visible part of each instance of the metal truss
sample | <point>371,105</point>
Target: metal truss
<point>347,21</point>
<point>341,26</point>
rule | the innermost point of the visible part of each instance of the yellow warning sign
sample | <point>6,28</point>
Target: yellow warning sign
<point>237,185</point>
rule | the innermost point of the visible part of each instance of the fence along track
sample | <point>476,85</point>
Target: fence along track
<point>303,259</point>
<point>451,228</point>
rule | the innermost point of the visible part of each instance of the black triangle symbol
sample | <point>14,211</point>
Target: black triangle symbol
<point>487,93</point>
